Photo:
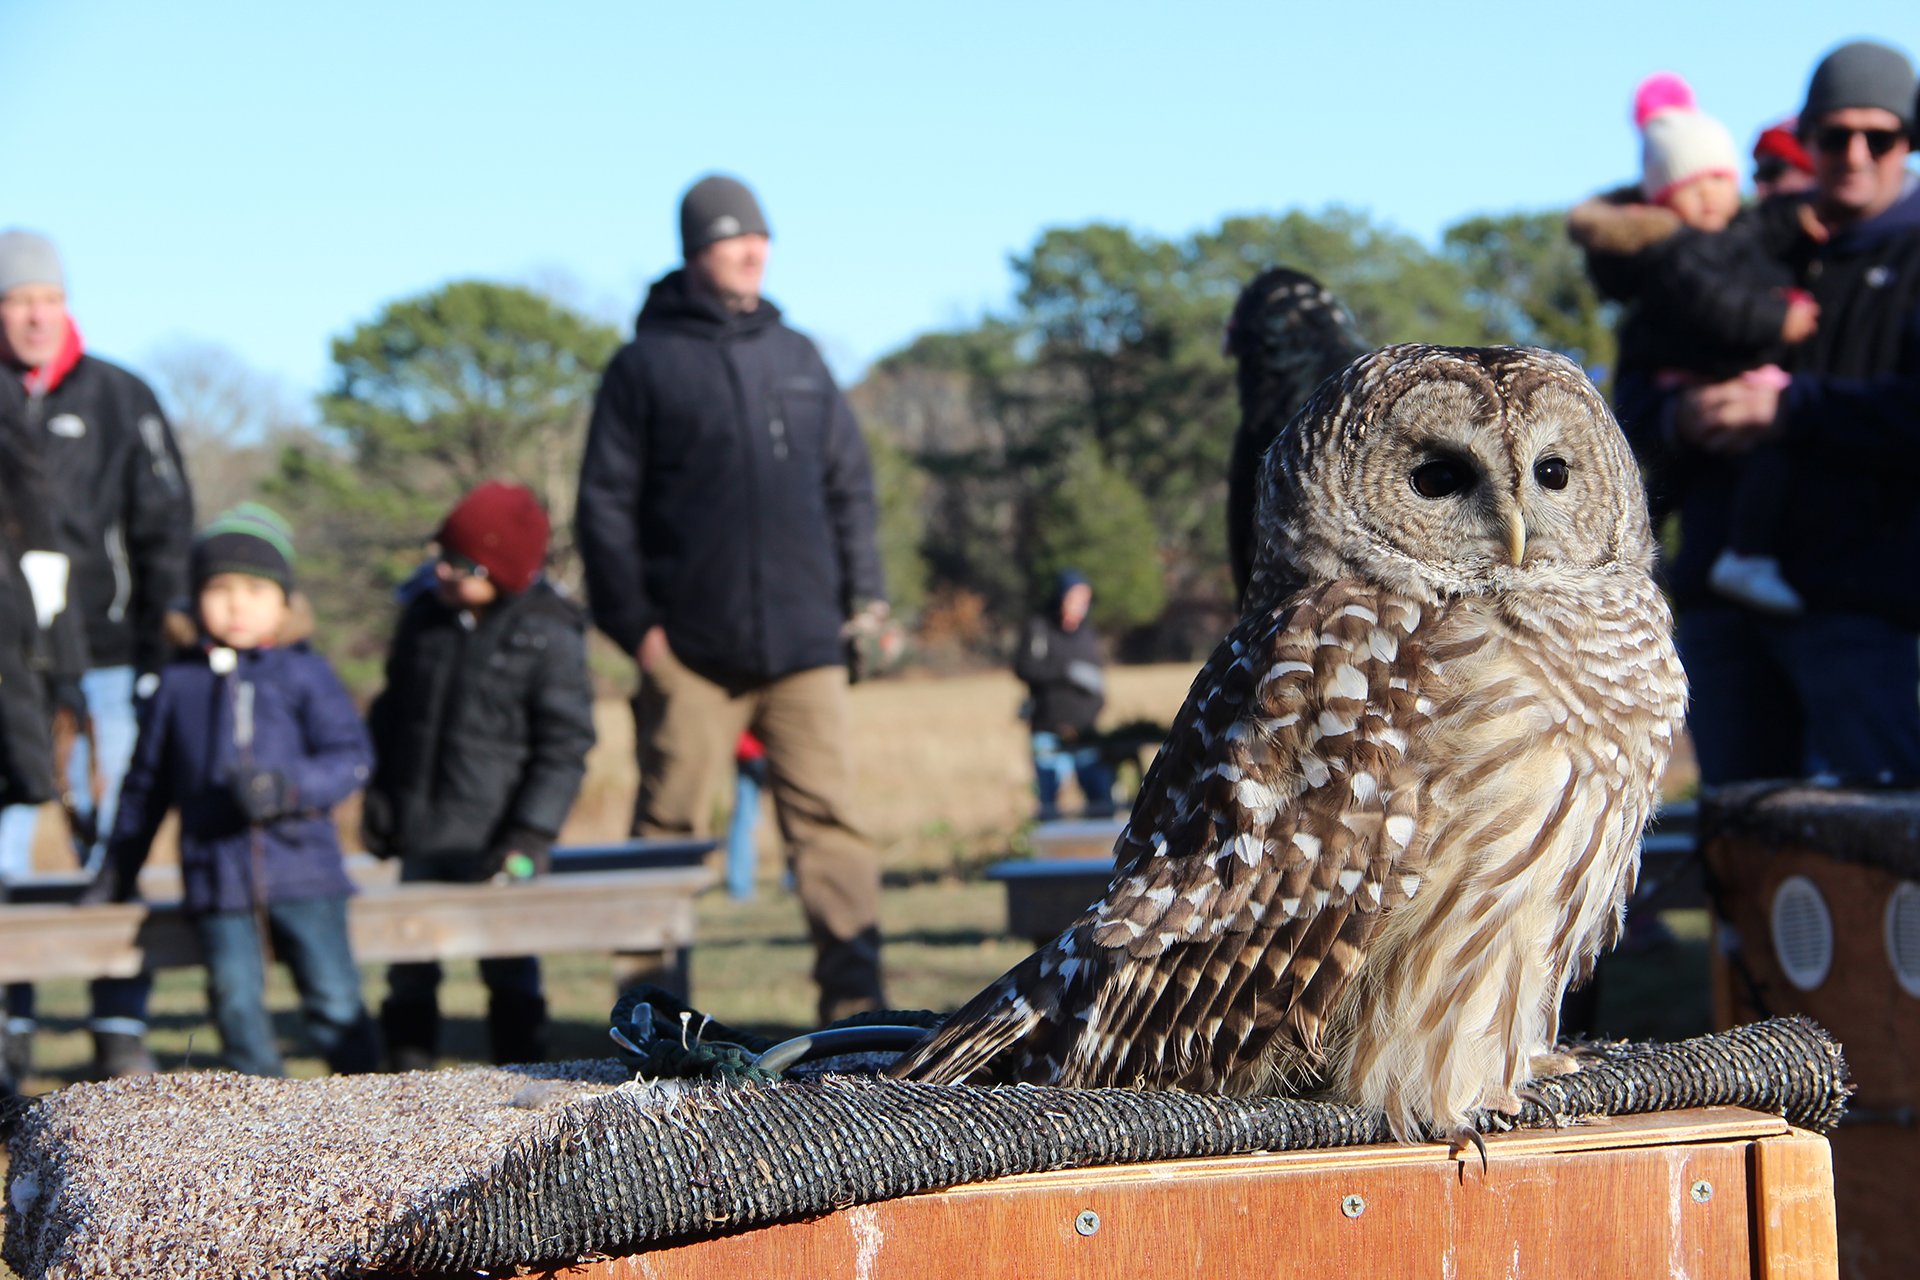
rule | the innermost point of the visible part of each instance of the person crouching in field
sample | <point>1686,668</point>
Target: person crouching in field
<point>481,736</point>
<point>252,738</point>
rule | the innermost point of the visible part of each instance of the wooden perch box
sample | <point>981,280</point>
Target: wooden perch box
<point>1819,897</point>
<point>1711,1194</point>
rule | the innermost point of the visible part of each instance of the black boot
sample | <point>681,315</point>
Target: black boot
<point>117,1054</point>
<point>358,1051</point>
<point>517,1027</point>
<point>848,973</point>
<point>411,1029</point>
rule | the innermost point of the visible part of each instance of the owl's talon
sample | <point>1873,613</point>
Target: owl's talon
<point>1463,1136</point>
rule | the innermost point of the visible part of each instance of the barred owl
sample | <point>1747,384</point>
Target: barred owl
<point>1401,808</point>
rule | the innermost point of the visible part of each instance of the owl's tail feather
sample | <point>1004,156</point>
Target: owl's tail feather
<point>1011,1032</point>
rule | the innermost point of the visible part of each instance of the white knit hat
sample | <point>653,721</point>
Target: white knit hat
<point>1679,142</point>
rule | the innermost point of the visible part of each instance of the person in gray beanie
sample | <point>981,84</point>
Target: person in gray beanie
<point>726,526</point>
<point>1861,74</point>
<point>111,469</point>
<point>718,208</point>
<point>1775,697</point>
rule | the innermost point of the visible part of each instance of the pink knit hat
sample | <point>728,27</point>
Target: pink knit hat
<point>1679,143</point>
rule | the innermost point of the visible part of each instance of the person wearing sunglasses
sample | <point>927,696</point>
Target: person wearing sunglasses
<point>1832,691</point>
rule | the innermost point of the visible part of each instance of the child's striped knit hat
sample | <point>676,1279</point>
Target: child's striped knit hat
<point>252,539</point>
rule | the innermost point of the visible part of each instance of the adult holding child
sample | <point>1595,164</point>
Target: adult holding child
<point>1850,419</point>
<point>1836,689</point>
<point>726,523</point>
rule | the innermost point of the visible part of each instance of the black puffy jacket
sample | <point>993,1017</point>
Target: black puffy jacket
<point>114,477</point>
<point>1849,539</point>
<point>479,732</point>
<point>726,493</point>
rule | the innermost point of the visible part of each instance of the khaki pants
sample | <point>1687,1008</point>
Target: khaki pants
<point>688,727</point>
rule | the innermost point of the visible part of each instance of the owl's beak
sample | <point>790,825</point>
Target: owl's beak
<point>1516,536</point>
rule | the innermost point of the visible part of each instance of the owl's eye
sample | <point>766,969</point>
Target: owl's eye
<point>1441,477</point>
<point>1551,473</point>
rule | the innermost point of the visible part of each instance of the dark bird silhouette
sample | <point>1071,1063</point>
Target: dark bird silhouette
<point>1288,334</point>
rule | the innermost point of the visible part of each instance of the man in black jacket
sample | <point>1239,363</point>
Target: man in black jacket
<point>726,523</point>
<point>1837,690</point>
<point>114,481</point>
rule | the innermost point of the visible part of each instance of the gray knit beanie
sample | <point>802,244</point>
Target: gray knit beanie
<point>718,208</point>
<point>27,257</point>
<point>1861,74</point>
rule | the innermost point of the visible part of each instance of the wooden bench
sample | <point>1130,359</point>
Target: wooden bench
<point>633,899</point>
<point>1073,865</point>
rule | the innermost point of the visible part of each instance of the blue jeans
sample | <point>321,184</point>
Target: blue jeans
<point>1053,762</point>
<point>119,1004</point>
<point>310,935</point>
<point>1832,694</point>
<point>743,854</point>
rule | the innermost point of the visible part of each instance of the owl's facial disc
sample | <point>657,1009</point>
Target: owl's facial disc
<point>1436,490</point>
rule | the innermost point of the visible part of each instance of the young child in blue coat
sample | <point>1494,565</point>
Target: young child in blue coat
<point>253,740</point>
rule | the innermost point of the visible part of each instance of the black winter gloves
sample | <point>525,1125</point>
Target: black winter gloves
<point>263,794</point>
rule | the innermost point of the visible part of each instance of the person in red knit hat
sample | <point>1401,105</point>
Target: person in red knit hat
<point>1781,165</point>
<point>480,740</point>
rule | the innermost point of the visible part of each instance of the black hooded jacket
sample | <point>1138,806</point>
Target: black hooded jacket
<point>479,732</point>
<point>726,492</point>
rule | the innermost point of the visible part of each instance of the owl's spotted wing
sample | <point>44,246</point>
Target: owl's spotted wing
<point>1274,828</point>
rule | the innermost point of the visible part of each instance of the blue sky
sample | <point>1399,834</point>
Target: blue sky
<point>264,176</point>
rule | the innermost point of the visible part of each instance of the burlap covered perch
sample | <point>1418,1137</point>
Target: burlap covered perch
<point>481,1170</point>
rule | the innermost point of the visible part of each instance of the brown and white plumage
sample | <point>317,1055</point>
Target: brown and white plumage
<point>1402,805</point>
